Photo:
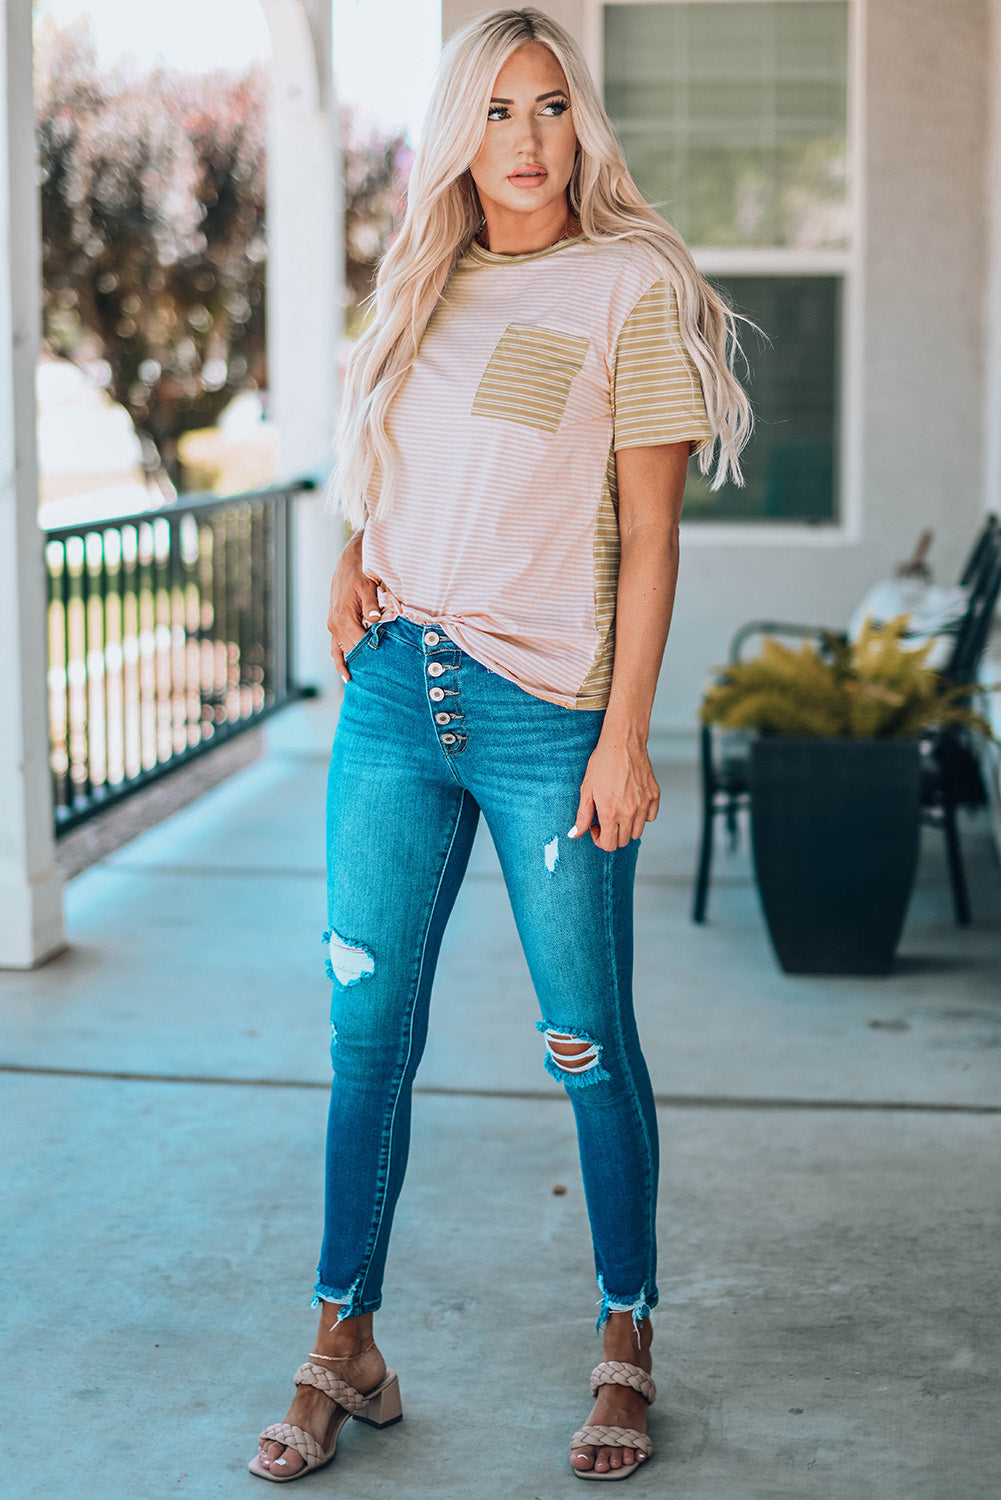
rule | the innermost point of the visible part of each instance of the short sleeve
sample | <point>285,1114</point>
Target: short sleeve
<point>656,391</point>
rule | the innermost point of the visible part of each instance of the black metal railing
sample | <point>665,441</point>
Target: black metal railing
<point>169,631</point>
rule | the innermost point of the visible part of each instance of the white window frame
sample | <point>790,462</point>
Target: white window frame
<point>848,263</point>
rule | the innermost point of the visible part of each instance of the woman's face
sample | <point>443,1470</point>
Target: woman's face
<point>528,150</point>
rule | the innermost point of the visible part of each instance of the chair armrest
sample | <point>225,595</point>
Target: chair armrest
<point>779,627</point>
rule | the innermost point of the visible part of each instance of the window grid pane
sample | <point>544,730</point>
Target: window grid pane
<point>733,117</point>
<point>791,463</point>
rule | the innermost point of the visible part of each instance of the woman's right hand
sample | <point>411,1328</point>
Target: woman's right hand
<point>354,604</point>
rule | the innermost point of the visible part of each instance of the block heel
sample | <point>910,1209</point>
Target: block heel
<point>383,1407</point>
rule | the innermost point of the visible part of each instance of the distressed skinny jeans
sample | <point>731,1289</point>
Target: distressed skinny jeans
<point>428,738</point>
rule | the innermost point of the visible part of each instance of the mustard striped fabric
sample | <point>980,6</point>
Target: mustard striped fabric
<point>594,689</point>
<point>529,377</point>
<point>533,372</point>
<point>657,387</point>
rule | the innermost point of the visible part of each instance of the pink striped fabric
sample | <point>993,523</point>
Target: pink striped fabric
<point>533,371</point>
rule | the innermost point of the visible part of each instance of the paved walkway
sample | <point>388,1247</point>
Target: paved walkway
<point>828,1324</point>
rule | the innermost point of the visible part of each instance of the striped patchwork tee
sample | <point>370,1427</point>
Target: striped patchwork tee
<point>533,371</point>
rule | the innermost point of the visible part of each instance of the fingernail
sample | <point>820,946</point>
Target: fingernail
<point>573,832</point>
<point>343,678</point>
<point>374,614</point>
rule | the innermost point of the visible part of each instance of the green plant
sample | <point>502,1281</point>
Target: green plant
<point>874,688</point>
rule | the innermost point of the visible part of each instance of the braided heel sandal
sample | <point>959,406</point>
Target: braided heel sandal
<point>378,1408</point>
<point>615,1372</point>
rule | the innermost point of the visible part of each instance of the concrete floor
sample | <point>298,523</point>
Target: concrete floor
<point>828,1324</point>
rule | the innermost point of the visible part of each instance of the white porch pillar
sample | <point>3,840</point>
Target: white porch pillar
<point>305,299</point>
<point>31,914</point>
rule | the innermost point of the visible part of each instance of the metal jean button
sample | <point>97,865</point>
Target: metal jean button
<point>449,739</point>
<point>436,694</point>
<point>442,718</point>
<point>432,638</point>
<point>435,669</point>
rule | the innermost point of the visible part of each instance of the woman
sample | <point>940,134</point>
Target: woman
<point>518,420</point>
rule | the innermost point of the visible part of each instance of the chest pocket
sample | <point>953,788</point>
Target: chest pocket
<point>529,375</point>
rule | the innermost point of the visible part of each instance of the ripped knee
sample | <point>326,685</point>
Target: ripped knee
<point>572,1056</point>
<point>348,963</point>
<point>572,1053</point>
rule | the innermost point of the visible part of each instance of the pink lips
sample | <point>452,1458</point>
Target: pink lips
<point>528,177</point>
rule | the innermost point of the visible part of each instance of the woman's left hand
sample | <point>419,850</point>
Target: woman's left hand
<point>618,796</point>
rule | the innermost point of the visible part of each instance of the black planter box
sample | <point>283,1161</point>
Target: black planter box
<point>835,827</point>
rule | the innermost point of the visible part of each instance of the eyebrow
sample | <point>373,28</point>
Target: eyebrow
<point>553,94</point>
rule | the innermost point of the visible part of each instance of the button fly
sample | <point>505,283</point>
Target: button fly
<point>436,694</point>
<point>449,739</point>
<point>432,638</point>
<point>435,669</point>
<point>442,718</point>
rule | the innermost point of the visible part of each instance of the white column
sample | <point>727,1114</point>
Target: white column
<point>305,299</point>
<point>31,915</point>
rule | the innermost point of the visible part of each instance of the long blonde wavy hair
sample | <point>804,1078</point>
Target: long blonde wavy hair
<point>443,215</point>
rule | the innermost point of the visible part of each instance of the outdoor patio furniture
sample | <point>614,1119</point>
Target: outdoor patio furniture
<point>950,772</point>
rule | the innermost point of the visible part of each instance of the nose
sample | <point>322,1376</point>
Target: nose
<point>530,137</point>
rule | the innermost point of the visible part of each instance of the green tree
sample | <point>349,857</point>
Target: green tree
<point>154,250</point>
<point>153,232</point>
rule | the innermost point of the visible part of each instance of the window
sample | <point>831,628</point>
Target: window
<point>733,118</point>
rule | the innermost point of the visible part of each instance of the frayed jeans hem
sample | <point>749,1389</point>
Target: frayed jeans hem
<point>351,1305</point>
<point>641,1306</point>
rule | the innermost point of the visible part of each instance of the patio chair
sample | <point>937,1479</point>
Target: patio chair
<point>950,772</point>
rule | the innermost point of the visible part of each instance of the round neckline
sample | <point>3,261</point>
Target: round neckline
<point>497,258</point>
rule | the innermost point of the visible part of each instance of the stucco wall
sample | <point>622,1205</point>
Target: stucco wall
<point>992,381</point>
<point>927,141</point>
<point>921,444</point>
